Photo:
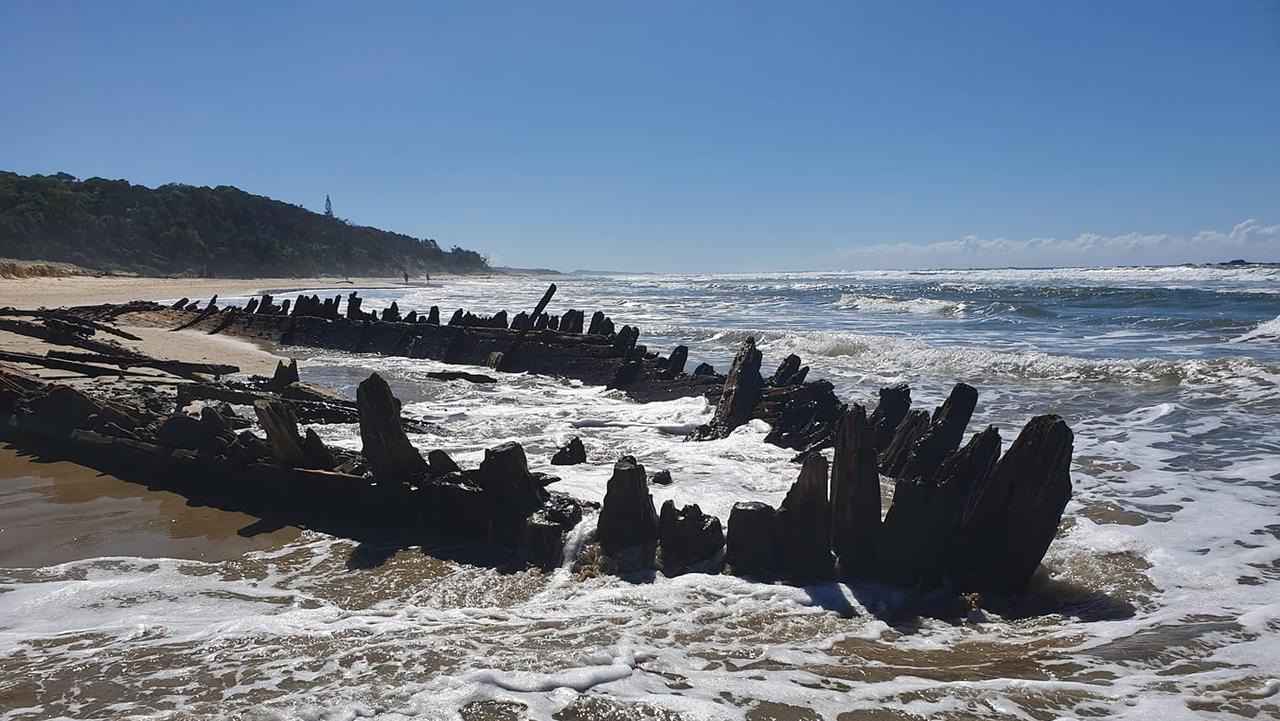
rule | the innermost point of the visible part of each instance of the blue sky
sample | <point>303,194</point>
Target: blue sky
<point>685,136</point>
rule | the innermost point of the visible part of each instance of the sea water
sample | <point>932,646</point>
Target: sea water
<point>1160,597</point>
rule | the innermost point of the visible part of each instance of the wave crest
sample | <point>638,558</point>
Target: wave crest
<point>1267,330</point>
<point>894,356</point>
<point>889,304</point>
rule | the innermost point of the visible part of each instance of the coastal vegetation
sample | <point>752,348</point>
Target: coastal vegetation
<point>114,225</point>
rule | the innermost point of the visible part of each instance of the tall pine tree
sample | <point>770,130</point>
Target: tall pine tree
<point>328,206</point>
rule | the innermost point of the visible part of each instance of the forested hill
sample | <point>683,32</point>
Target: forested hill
<point>223,231</point>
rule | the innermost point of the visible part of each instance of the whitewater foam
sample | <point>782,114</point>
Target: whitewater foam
<point>1269,330</point>
<point>883,304</point>
<point>1159,599</point>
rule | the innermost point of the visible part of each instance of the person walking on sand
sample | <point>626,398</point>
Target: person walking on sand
<point>406,277</point>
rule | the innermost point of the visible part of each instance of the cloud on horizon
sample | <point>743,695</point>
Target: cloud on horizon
<point>1249,240</point>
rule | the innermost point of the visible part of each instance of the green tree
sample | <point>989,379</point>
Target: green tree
<point>115,225</point>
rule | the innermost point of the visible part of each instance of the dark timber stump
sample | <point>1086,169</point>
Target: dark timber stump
<point>1012,518</point>
<point>946,430</point>
<point>895,401</point>
<point>742,390</point>
<point>805,517</point>
<point>628,519</point>
<point>855,494</point>
<point>386,447</point>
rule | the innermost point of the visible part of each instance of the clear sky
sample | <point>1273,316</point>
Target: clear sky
<point>685,136</point>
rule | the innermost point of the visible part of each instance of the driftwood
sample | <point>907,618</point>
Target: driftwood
<point>498,360</point>
<point>966,528</point>
<point>1010,517</point>
<point>804,522</point>
<point>288,446</point>
<point>910,430</point>
<point>286,374</point>
<point>441,464</point>
<point>76,329</point>
<point>945,432</point>
<point>686,536</point>
<point>895,403</point>
<point>751,544</point>
<point>923,518</point>
<point>306,405</point>
<point>209,310</point>
<point>461,376</point>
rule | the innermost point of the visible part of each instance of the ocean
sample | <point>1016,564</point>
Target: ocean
<point>1161,596</point>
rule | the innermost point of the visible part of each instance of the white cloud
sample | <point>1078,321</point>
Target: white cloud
<point>1249,240</point>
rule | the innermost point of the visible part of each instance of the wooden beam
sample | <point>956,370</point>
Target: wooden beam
<point>181,368</point>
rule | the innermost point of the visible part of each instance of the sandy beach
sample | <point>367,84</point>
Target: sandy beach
<point>189,346</point>
<point>54,292</point>
<point>54,512</point>
<point>677,362</point>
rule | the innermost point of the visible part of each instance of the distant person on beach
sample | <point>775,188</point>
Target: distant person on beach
<point>406,277</point>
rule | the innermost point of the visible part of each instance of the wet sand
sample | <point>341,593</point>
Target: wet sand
<point>55,512</point>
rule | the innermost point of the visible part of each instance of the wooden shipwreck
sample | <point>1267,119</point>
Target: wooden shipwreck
<point>963,517</point>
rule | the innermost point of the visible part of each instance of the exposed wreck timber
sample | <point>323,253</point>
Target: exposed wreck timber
<point>291,475</point>
<point>802,413</point>
<point>961,518</point>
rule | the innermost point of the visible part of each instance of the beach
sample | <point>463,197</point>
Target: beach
<point>56,291</point>
<point>835,361</point>
<point>55,512</point>
<point>190,346</point>
<point>1148,604</point>
<point>52,512</point>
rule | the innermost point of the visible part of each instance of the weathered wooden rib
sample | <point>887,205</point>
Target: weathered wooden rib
<point>855,495</point>
<point>803,414</point>
<point>290,476</point>
<point>179,368</point>
<point>55,363</point>
<point>974,524</point>
<point>58,332</point>
<point>961,518</point>
<point>68,318</point>
<point>306,409</point>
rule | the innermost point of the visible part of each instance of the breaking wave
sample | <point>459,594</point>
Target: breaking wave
<point>902,355</point>
<point>1267,330</point>
<point>888,304</point>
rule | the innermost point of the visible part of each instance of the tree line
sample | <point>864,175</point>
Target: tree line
<point>114,225</point>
